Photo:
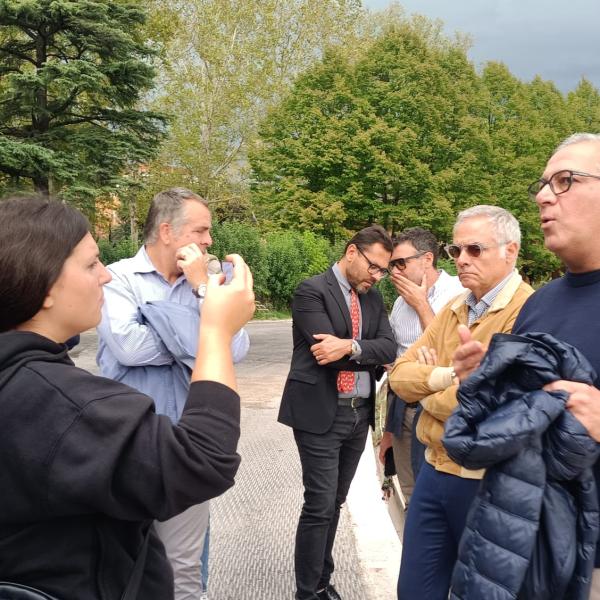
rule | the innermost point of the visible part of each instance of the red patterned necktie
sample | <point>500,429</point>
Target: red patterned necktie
<point>345,379</point>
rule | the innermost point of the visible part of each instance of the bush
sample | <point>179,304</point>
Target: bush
<point>287,265</point>
<point>112,251</point>
<point>316,250</point>
<point>279,261</point>
<point>447,264</point>
<point>245,240</point>
<point>389,293</point>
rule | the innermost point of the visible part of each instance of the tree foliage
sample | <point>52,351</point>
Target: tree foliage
<point>405,132</point>
<point>71,75</point>
<point>384,138</point>
<point>226,65</point>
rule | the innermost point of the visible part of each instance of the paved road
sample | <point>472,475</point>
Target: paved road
<point>253,524</point>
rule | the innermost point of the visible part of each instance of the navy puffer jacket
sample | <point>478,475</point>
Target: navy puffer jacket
<point>532,529</point>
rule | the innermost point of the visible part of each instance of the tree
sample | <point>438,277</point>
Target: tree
<point>306,161</point>
<point>583,106</point>
<point>387,137</point>
<point>71,75</point>
<point>225,65</point>
<point>525,121</point>
<point>404,133</point>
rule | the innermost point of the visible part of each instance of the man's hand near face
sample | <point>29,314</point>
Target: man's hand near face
<point>193,264</point>
<point>414,295</point>
<point>468,355</point>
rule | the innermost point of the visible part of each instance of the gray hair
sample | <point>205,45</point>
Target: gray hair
<point>506,227</point>
<point>578,138</point>
<point>168,207</point>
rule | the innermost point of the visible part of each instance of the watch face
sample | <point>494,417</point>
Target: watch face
<point>200,292</point>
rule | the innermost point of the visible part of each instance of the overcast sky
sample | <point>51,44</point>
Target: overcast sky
<point>559,41</point>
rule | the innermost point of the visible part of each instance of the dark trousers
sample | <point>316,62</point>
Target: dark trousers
<point>329,462</point>
<point>434,524</point>
<point>396,423</point>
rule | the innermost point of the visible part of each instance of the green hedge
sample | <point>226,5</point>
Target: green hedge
<point>245,240</point>
<point>112,251</point>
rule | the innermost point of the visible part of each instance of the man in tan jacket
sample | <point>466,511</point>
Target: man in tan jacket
<point>485,249</point>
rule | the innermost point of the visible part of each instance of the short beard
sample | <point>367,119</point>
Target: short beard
<point>357,287</point>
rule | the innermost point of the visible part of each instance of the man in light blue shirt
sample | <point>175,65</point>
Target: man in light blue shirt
<point>148,340</point>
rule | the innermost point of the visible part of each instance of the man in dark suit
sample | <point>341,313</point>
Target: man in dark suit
<point>341,334</point>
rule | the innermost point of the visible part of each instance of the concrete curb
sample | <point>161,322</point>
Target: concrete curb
<point>378,545</point>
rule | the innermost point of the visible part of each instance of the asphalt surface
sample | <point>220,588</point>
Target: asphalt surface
<point>253,525</point>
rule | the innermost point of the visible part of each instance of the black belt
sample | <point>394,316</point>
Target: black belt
<point>354,402</point>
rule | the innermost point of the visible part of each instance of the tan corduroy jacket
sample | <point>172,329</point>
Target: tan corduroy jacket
<point>433,385</point>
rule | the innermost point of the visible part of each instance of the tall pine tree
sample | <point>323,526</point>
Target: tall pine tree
<point>71,76</point>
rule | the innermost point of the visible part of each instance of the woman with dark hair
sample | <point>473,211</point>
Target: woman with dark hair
<point>86,462</point>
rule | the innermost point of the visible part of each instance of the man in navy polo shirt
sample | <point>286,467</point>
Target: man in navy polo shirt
<point>568,198</point>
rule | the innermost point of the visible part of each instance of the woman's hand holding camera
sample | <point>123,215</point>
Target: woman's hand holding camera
<point>229,307</point>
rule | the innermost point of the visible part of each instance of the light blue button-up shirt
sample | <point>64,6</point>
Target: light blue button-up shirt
<point>131,350</point>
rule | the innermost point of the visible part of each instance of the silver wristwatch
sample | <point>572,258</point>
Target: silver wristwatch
<point>200,292</point>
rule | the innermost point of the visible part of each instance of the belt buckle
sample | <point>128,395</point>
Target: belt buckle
<point>353,400</point>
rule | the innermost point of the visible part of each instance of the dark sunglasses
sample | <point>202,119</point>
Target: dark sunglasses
<point>400,263</point>
<point>473,250</point>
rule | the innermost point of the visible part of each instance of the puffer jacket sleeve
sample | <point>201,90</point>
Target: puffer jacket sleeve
<point>502,405</point>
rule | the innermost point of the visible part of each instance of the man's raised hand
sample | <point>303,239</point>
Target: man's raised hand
<point>468,355</point>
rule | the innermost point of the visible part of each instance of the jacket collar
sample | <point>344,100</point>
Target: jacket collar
<point>502,299</point>
<point>336,291</point>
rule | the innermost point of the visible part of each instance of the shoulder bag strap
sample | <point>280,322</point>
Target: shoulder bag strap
<point>133,585</point>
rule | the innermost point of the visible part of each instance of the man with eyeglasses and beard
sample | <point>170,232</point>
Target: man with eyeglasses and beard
<point>568,198</point>
<point>485,249</point>
<point>423,290</point>
<point>341,337</point>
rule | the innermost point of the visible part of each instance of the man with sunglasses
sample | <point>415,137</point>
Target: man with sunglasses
<point>568,199</point>
<point>485,249</point>
<point>341,337</point>
<point>423,290</point>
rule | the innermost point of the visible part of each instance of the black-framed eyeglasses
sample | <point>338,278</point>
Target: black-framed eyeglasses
<point>560,182</point>
<point>474,250</point>
<point>400,263</point>
<point>372,268</point>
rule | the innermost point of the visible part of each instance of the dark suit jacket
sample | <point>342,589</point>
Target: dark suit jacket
<point>309,401</point>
